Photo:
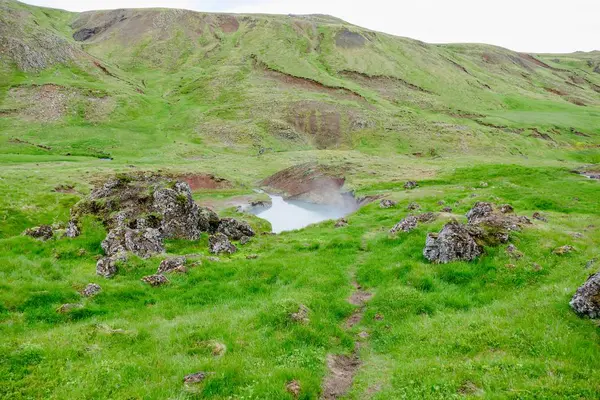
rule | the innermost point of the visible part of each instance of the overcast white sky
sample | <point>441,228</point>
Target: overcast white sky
<point>523,25</point>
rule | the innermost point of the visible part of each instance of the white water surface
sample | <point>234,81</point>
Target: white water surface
<point>288,215</point>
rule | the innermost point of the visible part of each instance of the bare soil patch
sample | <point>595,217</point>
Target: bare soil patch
<point>342,369</point>
<point>228,23</point>
<point>205,181</point>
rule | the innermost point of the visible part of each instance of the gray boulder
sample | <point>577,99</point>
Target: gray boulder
<point>234,229</point>
<point>454,243</point>
<point>586,301</point>
<point>219,243</point>
<point>410,185</point>
<point>406,225</point>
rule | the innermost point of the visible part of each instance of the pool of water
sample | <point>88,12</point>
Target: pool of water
<point>287,215</point>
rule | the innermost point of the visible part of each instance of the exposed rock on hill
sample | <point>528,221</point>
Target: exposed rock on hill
<point>586,301</point>
<point>454,242</point>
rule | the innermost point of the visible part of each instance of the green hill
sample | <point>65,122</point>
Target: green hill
<point>85,96</point>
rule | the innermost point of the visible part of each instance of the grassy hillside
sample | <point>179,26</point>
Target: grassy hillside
<point>86,96</point>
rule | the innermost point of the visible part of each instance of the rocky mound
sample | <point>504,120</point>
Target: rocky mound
<point>586,301</point>
<point>141,210</point>
<point>487,226</point>
<point>309,182</point>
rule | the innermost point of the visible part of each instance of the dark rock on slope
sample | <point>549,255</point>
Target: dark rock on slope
<point>586,301</point>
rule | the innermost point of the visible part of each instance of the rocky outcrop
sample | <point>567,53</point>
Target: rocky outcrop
<point>173,264</point>
<point>586,301</point>
<point>486,227</point>
<point>178,211</point>
<point>42,232</point>
<point>219,243</point>
<point>406,225</point>
<point>234,229</point>
<point>454,242</point>
<point>144,242</point>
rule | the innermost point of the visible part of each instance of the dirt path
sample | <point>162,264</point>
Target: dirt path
<point>343,368</point>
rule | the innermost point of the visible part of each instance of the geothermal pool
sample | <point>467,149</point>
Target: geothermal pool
<point>287,215</point>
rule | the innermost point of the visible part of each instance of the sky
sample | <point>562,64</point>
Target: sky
<point>537,26</point>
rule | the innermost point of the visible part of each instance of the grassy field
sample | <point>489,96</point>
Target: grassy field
<point>243,97</point>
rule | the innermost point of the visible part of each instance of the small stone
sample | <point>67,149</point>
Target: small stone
<point>293,388</point>
<point>562,250</point>
<point>108,266</point>
<point>42,232</point>
<point>251,256</point>
<point>219,243</point>
<point>447,210</point>
<point>386,203</point>
<point>342,222</point>
<point>410,185</point>
<point>301,315</point>
<point>245,240</point>
<point>536,267</point>
<point>195,378</point>
<point>413,206</point>
<point>72,230</point>
<point>510,266</point>
<point>513,252</point>
<point>483,184</point>
<point>155,280</point>
<point>378,317</point>
<point>406,225</point>
<point>173,264</point>
<point>67,308</point>
<point>539,217</point>
<point>426,217</point>
<point>506,209</point>
<point>91,290</point>
<point>591,263</point>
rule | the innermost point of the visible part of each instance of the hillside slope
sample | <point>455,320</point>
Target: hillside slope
<point>122,104</point>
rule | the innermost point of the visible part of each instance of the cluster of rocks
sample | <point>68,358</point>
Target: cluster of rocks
<point>487,226</point>
<point>140,211</point>
<point>47,232</point>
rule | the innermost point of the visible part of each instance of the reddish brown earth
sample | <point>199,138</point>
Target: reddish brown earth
<point>309,182</point>
<point>205,181</point>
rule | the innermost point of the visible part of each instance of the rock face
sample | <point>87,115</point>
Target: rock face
<point>406,225</point>
<point>42,232</point>
<point>235,229</point>
<point>586,301</point>
<point>453,243</point>
<point>144,242</point>
<point>562,250</point>
<point>386,203</point>
<point>219,243</point>
<point>91,290</point>
<point>208,220</point>
<point>179,213</point>
<point>173,264</point>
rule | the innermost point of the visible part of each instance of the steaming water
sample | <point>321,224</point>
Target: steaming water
<point>287,215</point>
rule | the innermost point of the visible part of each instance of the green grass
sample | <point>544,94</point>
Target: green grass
<point>495,328</point>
